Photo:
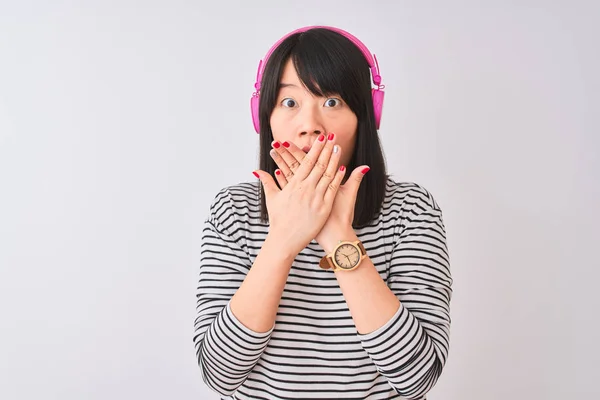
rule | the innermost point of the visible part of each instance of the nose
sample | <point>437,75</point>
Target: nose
<point>310,122</point>
<point>316,131</point>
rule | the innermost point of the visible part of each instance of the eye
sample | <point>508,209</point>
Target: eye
<point>288,103</point>
<point>332,102</point>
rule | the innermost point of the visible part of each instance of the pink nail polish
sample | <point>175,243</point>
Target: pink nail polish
<point>321,137</point>
<point>286,144</point>
<point>256,175</point>
<point>276,145</point>
<point>342,168</point>
<point>331,136</point>
<point>365,170</point>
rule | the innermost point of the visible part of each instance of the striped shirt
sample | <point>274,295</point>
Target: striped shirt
<point>314,350</point>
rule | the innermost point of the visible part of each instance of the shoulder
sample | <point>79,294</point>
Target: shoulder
<point>411,206</point>
<point>243,191</point>
<point>409,198</point>
<point>240,199</point>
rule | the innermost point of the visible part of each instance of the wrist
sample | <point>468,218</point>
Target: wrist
<point>279,248</point>
<point>332,240</point>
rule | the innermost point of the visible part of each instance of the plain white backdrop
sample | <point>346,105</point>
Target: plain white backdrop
<point>120,120</point>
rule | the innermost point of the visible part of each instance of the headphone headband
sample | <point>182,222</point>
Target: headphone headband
<point>371,60</point>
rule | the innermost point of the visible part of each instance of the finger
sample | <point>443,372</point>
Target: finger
<point>323,161</point>
<point>354,180</point>
<point>281,179</point>
<point>267,181</point>
<point>283,166</point>
<point>295,151</point>
<point>330,172</point>
<point>334,185</point>
<point>283,150</point>
<point>309,160</point>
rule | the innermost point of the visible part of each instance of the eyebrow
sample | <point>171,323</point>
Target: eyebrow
<point>284,85</point>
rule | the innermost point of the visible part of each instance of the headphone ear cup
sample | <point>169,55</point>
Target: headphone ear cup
<point>254,110</point>
<point>377,105</point>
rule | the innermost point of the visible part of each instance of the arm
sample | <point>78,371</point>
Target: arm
<point>235,310</point>
<point>404,325</point>
<point>255,303</point>
<point>364,292</point>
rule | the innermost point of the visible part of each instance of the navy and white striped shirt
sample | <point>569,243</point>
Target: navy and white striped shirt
<point>314,350</point>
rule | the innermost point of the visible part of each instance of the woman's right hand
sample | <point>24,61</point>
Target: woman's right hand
<point>299,210</point>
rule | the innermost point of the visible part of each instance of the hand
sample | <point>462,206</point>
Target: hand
<point>298,211</point>
<point>339,223</point>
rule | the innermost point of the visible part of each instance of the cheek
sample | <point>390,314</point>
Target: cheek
<point>279,127</point>
<point>273,121</point>
<point>348,124</point>
<point>349,133</point>
<point>276,123</point>
<point>349,142</point>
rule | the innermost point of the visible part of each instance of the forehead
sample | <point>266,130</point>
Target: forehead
<point>289,74</point>
<point>307,82</point>
<point>290,79</point>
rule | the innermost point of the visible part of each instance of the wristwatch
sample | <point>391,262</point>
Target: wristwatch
<point>345,257</point>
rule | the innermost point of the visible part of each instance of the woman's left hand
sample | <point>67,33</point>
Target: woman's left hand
<point>339,224</point>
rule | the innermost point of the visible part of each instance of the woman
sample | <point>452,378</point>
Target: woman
<point>327,279</point>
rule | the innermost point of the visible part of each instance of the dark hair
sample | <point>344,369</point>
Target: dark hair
<point>328,63</point>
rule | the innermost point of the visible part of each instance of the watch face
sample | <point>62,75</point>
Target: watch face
<point>347,256</point>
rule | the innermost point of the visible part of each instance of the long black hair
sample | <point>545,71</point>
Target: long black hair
<point>328,63</point>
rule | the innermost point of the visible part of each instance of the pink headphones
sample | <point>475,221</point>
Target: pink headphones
<point>372,61</point>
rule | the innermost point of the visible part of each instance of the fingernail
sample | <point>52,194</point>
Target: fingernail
<point>321,137</point>
<point>286,144</point>
<point>336,148</point>
<point>331,136</point>
<point>365,170</point>
<point>276,145</point>
<point>342,168</point>
<point>273,153</point>
<point>255,174</point>
<point>277,172</point>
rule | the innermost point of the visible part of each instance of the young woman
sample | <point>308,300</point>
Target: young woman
<point>326,279</point>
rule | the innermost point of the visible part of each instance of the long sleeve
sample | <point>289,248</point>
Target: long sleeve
<point>226,350</point>
<point>411,349</point>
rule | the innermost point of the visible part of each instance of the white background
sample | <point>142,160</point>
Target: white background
<point>120,120</point>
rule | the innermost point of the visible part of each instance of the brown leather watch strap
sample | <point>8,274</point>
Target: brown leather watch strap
<point>326,263</point>
<point>362,248</point>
